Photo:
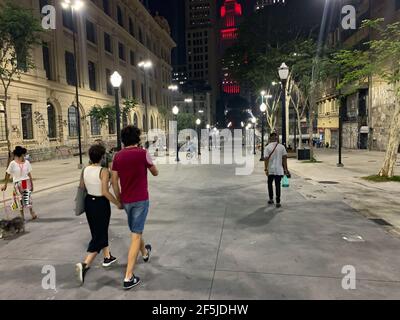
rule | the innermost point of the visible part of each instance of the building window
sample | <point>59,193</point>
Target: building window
<point>141,35</point>
<point>132,58</point>
<point>111,125</point>
<point>144,122</point>
<point>106,7</point>
<point>95,126</point>
<point>123,91</point>
<point>142,93</point>
<point>73,121</point>
<point>124,120</point>
<point>67,19</point>
<point>131,27</point>
<point>3,136</point>
<point>151,96</point>
<point>90,31</point>
<point>151,122</point>
<point>120,17</point>
<point>107,43</point>
<point>135,120</point>
<point>51,121</point>
<point>92,76</point>
<point>121,51</point>
<point>46,60</point>
<point>133,88</point>
<point>70,68</point>
<point>109,85</point>
<point>27,123</point>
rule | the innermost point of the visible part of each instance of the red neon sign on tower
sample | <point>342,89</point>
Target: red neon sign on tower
<point>231,11</point>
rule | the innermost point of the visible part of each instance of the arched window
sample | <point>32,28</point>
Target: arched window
<point>111,125</point>
<point>95,126</point>
<point>135,120</point>
<point>124,120</point>
<point>152,122</point>
<point>73,121</point>
<point>144,122</point>
<point>51,121</point>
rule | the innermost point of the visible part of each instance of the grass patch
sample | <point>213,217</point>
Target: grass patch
<point>313,160</point>
<point>376,178</point>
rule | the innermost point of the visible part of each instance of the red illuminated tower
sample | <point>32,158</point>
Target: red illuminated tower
<point>230,13</point>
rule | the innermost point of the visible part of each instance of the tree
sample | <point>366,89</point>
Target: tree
<point>186,121</point>
<point>103,114</point>
<point>19,32</point>
<point>380,57</point>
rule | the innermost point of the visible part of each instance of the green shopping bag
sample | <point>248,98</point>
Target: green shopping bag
<point>285,182</point>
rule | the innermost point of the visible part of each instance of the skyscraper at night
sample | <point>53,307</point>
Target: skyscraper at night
<point>201,44</point>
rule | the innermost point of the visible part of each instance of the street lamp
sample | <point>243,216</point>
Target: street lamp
<point>198,123</point>
<point>145,65</point>
<point>263,108</point>
<point>209,137</point>
<point>284,75</point>
<point>116,81</point>
<point>75,6</point>
<point>254,121</point>
<point>175,111</point>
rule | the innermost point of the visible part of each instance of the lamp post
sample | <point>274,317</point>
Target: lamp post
<point>145,65</point>
<point>116,81</point>
<point>209,137</point>
<point>198,123</point>
<point>284,75</point>
<point>175,111</point>
<point>75,6</point>
<point>254,121</point>
<point>263,108</point>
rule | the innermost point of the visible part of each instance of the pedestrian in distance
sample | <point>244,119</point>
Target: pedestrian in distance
<point>20,170</point>
<point>130,167</point>
<point>96,180</point>
<point>275,159</point>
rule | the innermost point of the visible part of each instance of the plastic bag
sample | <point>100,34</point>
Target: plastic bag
<point>285,182</point>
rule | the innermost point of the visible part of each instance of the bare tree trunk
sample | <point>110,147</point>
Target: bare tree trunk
<point>299,129</point>
<point>6,125</point>
<point>393,144</point>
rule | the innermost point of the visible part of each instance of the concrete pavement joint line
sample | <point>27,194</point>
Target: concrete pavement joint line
<point>304,275</point>
<point>219,247</point>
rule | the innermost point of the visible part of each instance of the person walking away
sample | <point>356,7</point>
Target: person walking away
<point>275,158</point>
<point>129,171</point>
<point>20,170</point>
<point>96,179</point>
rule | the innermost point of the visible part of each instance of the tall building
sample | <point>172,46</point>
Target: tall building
<point>112,36</point>
<point>201,48</point>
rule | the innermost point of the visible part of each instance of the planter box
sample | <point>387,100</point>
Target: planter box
<point>304,154</point>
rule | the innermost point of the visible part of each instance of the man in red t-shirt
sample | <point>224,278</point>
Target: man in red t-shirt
<point>129,170</point>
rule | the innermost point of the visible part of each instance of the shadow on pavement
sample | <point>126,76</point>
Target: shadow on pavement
<point>261,216</point>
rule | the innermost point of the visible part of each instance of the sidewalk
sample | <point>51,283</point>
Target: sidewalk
<point>213,237</point>
<point>379,200</point>
<point>50,174</point>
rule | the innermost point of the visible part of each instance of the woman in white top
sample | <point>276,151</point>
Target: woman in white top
<point>20,169</point>
<point>98,210</point>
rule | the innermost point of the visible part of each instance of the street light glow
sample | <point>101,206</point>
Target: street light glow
<point>263,107</point>
<point>146,64</point>
<point>198,122</point>
<point>263,93</point>
<point>173,87</point>
<point>175,110</point>
<point>254,120</point>
<point>188,100</point>
<point>116,79</point>
<point>75,5</point>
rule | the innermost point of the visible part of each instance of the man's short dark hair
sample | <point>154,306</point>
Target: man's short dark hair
<point>273,135</point>
<point>130,136</point>
<point>96,153</point>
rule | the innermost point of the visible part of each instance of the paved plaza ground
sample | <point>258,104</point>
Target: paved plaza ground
<point>214,237</point>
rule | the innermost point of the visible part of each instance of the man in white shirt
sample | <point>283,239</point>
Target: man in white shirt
<point>275,158</point>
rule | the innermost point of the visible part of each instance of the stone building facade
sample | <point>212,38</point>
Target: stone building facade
<point>366,113</point>
<point>111,36</point>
